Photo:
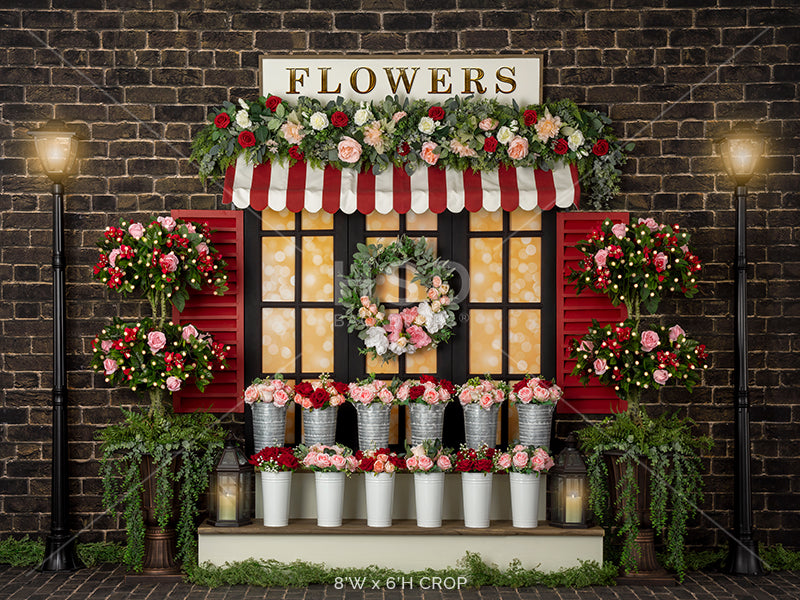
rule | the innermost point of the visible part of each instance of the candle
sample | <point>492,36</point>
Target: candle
<point>574,508</point>
<point>227,504</point>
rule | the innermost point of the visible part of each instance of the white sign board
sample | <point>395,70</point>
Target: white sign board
<point>433,78</point>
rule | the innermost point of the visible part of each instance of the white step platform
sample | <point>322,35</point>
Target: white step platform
<point>410,547</point>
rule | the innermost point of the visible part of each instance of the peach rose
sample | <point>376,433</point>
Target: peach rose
<point>349,150</point>
<point>428,154</point>
<point>518,148</point>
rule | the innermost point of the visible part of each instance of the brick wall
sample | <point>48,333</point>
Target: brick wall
<point>137,77</point>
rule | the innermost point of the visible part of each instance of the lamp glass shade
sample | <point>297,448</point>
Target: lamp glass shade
<point>570,488</point>
<point>741,151</point>
<point>231,489</point>
<point>57,148</point>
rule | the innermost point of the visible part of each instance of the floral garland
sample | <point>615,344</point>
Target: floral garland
<point>428,324</point>
<point>459,133</point>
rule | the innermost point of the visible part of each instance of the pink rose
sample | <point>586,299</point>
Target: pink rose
<point>521,460</point>
<point>409,314</point>
<point>136,230</point>
<point>618,230</point>
<point>525,395</point>
<point>280,397</point>
<point>542,394</point>
<point>167,223</point>
<point>436,281</point>
<point>427,153</point>
<point>292,132</point>
<point>418,336</point>
<point>518,147</point>
<point>385,396</point>
<point>365,301</point>
<point>649,340</point>
<point>556,393</point>
<point>394,327</point>
<point>600,258</point>
<point>537,462</point>
<point>106,345</point>
<point>402,392</point>
<point>504,462</point>
<point>349,150</point>
<point>110,365</point>
<point>112,257</point>
<point>173,384</point>
<point>156,340</point>
<point>660,376</point>
<point>465,396</point>
<point>586,346</point>
<point>202,248</point>
<point>191,228</point>
<point>675,332</point>
<point>411,463</point>
<point>168,262</point>
<point>323,461</point>
<point>188,332</point>
<point>488,124</point>
<point>425,463</point>
<point>444,463</point>
<point>398,115</point>
<point>600,366</point>
<point>650,222</point>
<point>430,396</point>
<point>338,461</point>
<point>487,401</point>
<point>660,261</point>
<point>251,394</point>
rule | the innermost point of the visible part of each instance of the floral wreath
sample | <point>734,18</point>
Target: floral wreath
<point>426,325</point>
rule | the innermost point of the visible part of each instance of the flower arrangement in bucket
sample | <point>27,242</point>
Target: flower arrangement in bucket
<point>476,466</point>
<point>320,400</point>
<point>524,465</point>
<point>481,400</point>
<point>373,399</point>
<point>379,467</point>
<point>426,398</point>
<point>276,465</point>
<point>535,399</point>
<point>330,464</point>
<point>636,265</point>
<point>429,462</point>
<point>268,399</point>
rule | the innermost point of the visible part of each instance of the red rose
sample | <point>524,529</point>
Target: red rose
<point>561,146</point>
<point>416,391</point>
<point>436,113</point>
<point>403,149</point>
<point>464,466</point>
<point>600,147</point>
<point>490,144</point>
<point>222,120</point>
<point>483,464</point>
<point>427,379</point>
<point>448,386</point>
<point>339,119</point>
<point>529,117</point>
<point>295,153</point>
<point>367,463</point>
<point>272,102</point>
<point>340,387</point>
<point>319,397</point>
<point>304,389</point>
<point>519,385</point>
<point>247,139</point>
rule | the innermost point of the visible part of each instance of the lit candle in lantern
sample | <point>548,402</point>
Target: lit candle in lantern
<point>227,503</point>
<point>573,508</point>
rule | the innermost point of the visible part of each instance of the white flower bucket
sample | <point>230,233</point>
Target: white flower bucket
<point>379,488</point>
<point>476,492</point>
<point>373,425</point>
<point>480,425</point>
<point>330,498</point>
<point>269,425</point>
<point>428,496</point>
<point>319,425</point>
<point>427,421</point>
<point>524,499</point>
<point>275,491</point>
<point>535,424</point>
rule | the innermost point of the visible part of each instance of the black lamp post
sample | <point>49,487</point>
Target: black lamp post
<point>57,147</point>
<point>741,150</point>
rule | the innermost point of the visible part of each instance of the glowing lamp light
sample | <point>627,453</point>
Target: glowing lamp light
<point>570,487</point>
<point>231,490</point>
<point>57,148</point>
<point>741,152</point>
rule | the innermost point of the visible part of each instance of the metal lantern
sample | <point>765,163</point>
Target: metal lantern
<point>570,488</point>
<point>231,490</point>
<point>741,152</point>
<point>57,148</point>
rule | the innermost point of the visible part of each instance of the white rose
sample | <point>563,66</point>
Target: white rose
<point>362,116</point>
<point>376,338</point>
<point>243,119</point>
<point>243,104</point>
<point>427,125</point>
<point>575,140</point>
<point>319,121</point>
<point>504,135</point>
<point>434,322</point>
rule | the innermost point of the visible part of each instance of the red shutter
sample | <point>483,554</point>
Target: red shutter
<point>222,316</point>
<point>574,315</point>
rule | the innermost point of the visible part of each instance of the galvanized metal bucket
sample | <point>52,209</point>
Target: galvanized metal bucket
<point>269,425</point>
<point>319,425</point>
<point>373,425</point>
<point>534,424</point>
<point>480,425</point>
<point>427,421</point>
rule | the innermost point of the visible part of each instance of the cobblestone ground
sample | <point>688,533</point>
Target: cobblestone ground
<point>109,583</point>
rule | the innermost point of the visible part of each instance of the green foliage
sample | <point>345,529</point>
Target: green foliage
<point>97,553</point>
<point>23,552</point>
<point>778,558</point>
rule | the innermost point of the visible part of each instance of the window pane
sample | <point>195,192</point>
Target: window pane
<point>378,222</point>
<point>524,269</point>
<point>422,361</point>
<point>282,220</point>
<point>317,340</point>
<point>387,287</point>
<point>486,269</point>
<point>427,221</point>
<point>524,341</point>
<point>277,268</point>
<point>484,220</point>
<point>526,220</point>
<point>377,365</point>
<point>317,269</point>
<point>316,220</point>
<point>414,291</point>
<point>485,341</point>
<point>277,340</point>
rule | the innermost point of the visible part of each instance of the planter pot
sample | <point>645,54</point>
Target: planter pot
<point>275,491</point>
<point>428,497</point>
<point>535,422</point>
<point>160,543</point>
<point>329,489</point>
<point>480,425</point>
<point>524,499</point>
<point>476,493</point>
<point>319,425</point>
<point>269,425</point>
<point>427,422</point>
<point>373,425</point>
<point>379,488</point>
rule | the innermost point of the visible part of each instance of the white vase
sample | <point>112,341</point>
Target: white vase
<point>428,496</point>
<point>330,498</point>
<point>524,499</point>
<point>275,491</point>
<point>379,488</point>
<point>476,493</point>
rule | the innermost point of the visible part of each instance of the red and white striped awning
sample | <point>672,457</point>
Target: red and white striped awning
<point>301,187</point>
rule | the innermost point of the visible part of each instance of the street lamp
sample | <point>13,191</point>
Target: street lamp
<point>57,148</point>
<point>741,150</point>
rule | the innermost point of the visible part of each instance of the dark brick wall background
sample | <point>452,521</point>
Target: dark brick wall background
<point>137,78</point>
